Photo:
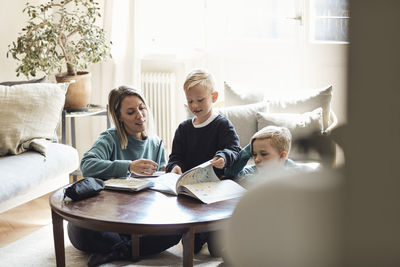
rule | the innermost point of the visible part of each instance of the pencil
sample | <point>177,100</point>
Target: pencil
<point>158,150</point>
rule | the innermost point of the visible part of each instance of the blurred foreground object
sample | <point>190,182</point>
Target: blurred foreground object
<point>288,221</point>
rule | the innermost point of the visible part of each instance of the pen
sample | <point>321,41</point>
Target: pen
<point>158,150</point>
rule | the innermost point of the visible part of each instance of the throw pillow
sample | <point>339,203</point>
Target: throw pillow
<point>242,117</point>
<point>11,83</point>
<point>300,125</point>
<point>29,114</point>
<point>236,94</point>
<point>304,101</point>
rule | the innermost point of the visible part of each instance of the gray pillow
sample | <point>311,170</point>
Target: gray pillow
<point>304,101</point>
<point>11,83</point>
<point>236,94</point>
<point>28,124</point>
<point>300,125</point>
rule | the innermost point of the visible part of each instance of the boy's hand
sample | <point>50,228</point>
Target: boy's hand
<point>218,162</point>
<point>176,169</point>
<point>143,166</point>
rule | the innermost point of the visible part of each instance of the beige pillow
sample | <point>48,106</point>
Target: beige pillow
<point>300,102</point>
<point>242,117</point>
<point>237,94</point>
<point>29,114</point>
<point>300,125</point>
<point>304,101</point>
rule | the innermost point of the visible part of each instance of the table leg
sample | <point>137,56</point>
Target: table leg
<point>135,248</point>
<point>58,234</point>
<point>188,247</point>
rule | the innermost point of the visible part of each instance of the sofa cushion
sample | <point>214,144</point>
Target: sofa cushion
<point>29,113</point>
<point>304,101</point>
<point>244,119</point>
<point>19,173</point>
<point>238,94</point>
<point>300,126</point>
<point>299,102</point>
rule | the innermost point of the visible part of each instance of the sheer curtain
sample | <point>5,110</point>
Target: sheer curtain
<point>243,40</point>
<point>119,24</point>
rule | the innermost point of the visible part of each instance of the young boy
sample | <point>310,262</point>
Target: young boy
<point>270,145</point>
<point>207,136</point>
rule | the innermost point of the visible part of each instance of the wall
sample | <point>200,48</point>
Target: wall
<point>11,24</point>
<point>13,20</point>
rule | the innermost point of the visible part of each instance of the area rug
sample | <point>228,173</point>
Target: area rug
<point>37,250</point>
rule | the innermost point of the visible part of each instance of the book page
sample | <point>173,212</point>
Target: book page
<point>199,174</point>
<point>165,183</point>
<point>210,192</point>
<point>155,174</point>
<point>128,184</point>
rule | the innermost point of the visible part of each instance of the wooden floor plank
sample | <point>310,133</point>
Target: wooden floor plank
<point>24,219</point>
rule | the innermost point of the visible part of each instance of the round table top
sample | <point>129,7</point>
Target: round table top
<point>147,209</point>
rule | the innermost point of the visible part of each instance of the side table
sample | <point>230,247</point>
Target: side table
<point>93,110</point>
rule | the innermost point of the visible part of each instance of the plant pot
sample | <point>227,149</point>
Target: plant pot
<point>79,90</point>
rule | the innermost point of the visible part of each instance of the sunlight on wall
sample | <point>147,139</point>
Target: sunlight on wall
<point>243,41</point>
<point>263,44</point>
<point>120,14</point>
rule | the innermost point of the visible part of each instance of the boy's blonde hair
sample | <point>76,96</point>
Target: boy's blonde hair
<point>199,77</point>
<point>280,137</point>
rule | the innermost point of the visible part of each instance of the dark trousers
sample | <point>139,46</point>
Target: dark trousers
<point>91,241</point>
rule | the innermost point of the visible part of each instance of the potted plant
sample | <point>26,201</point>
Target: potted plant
<point>62,35</point>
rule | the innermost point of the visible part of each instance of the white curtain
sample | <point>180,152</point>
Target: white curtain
<point>124,68</point>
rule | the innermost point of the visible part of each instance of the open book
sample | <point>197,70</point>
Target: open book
<point>155,174</point>
<point>127,184</point>
<point>133,182</point>
<point>200,182</point>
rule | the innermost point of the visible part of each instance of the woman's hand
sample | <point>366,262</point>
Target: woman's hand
<point>143,166</point>
<point>176,169</point>
<point>218,162</point>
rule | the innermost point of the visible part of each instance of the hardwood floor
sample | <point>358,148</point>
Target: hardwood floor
<point>24,219</point>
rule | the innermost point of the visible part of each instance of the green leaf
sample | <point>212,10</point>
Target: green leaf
<point>40,51</point>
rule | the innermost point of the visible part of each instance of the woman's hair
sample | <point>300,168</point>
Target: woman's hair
<point>280,137</point>
<point>199,77</point>
<point>115,98</point>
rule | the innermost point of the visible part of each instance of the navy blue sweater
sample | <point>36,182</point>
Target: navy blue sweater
<point>193,146</point>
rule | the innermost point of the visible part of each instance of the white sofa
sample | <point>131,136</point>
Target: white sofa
<point>29,175</point>
<point>307,114</point>
<point>32,165</point>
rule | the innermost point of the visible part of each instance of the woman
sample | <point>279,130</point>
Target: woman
<point>127,147</point>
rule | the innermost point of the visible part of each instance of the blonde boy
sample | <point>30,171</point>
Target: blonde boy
<point>270,145</point>
<point>207,136</point>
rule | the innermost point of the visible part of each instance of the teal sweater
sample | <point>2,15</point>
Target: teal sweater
<point>107,159</point>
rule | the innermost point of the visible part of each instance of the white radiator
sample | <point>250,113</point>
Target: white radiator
<point>159,90</point>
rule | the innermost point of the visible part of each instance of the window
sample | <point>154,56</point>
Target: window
<point>261,19</point>
<point>329,20</point>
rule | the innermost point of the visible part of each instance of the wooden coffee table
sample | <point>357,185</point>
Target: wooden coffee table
<point>145,212</point>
